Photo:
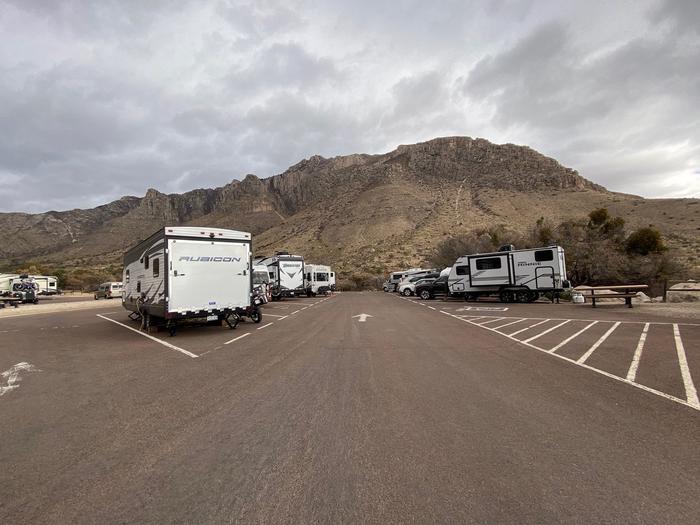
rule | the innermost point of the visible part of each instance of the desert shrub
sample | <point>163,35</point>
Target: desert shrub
<point>645,241</point>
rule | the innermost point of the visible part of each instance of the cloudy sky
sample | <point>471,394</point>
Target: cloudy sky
<point>100,99</point>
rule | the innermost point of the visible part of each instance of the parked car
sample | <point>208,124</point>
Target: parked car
<point>408,287</point>
<point>432,289</point>
<point>109,290</point>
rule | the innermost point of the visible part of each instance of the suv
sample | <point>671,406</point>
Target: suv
<point>408,287</point>
<point>432,289</point>
<point>109,290</point>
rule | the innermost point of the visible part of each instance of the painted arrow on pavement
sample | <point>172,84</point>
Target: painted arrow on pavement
<point>363,317</point>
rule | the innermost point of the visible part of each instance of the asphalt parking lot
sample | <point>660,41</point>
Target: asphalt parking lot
<point>357,408</point>
<point>657,354</point>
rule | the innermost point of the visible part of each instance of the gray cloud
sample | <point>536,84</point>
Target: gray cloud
<point>103,99</point>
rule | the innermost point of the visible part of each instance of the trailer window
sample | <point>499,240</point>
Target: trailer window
<point>321,276</point>
<point>52,284</point>
<point>462,270</point>
<point>272,275</point>
<point>127,276</point>
<point>544,255</point>
<point>145,262</point>
<point>156,267</point>
<point>138,287</point>
<point>492,263</point>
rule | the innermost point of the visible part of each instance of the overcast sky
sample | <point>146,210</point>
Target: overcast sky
<point>100,99</point>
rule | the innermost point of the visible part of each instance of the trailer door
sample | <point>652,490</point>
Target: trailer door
<point>208,275</point>
<point>490,270</point>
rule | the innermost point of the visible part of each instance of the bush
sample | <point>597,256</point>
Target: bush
<point>645,241</point>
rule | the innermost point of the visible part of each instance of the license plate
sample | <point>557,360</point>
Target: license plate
<point>212,317</point>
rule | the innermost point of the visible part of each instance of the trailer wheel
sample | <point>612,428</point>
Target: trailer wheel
<point>256,316</point>
<point>533,296</point>
<point>506,296</point>
<point>96,297</point>
<point>522,296</point>
<point>470,297</point>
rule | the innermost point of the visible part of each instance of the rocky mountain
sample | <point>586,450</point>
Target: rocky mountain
<point>359,212</point>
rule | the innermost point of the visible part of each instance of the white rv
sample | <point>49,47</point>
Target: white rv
<point>317,278</point>
<point>43,284</point>
<point>185,272</point>
<point>332,281</point>
<point>6,282</point>
<point>109,290</point>
<point>286,274</point>
<point>261,278</point>
<point>47,284</point>
<point>512,275</point>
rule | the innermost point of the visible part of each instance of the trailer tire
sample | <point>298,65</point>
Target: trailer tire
<point>522,296</point>
<point>256,316</point>
<point>96,297</point>
<point>470,297</point>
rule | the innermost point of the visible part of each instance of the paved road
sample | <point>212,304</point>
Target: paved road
<point>413,415</point>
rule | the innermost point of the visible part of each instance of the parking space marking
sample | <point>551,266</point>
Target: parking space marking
<point>599,342</point>
<point>691,399</point>
<point>634,365</point>
<point>275,315</point>
<point>295,312</point>
<point>494,320</point>
<point>265,326</point>
<point>159,341</point>
<point>572,337</point>
<point>531,326</point>
<point>508,324</point>
<point>691,393</point>
<point>546,331</point>
<point>237,338</point>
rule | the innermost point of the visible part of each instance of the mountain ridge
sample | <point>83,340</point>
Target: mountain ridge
<point>358,211</point>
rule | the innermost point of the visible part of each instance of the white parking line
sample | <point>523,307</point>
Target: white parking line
<point>632,372</point>
<point>588,367</point>
<point>599,342</point>
<point>690,393</point>
<point>495,319</point>
<point>295,312</point>
<point>237,338</point>
<point>275,315</point>
<point>508,324</point>
<point>265,326</point>
<point>546,331</point>
<point>572,337</point>
<point>173,347</point>
<point>283,317</point>
<point>527,328</point>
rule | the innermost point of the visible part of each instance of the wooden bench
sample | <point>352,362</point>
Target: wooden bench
<point>623,291</point>
<point>12,301</point>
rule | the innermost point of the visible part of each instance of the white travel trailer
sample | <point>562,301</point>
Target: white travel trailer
<point>261,278</point>
<point>286,274</point>
<point>6,282</point>
<point>187,272</point>
<point>317,278</point>
<point>332,281</point>
<point>42,284</point>
<point>512,275</point>
<point>47,284</point>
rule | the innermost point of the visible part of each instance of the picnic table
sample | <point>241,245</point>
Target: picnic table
<point>620,291</point>
<point>12,301</point>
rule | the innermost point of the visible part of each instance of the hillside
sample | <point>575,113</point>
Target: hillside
<point>357,212</point>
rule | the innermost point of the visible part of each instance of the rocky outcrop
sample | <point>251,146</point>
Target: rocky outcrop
<point>366,210</point>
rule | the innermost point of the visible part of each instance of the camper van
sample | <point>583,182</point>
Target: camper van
<point>108,290</point>
<point>286,274</point>
<point>188,272</point>
<point>511,275</point>
<point>317,279</point>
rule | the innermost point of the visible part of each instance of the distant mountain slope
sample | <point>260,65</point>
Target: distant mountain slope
<point>358,212</point>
